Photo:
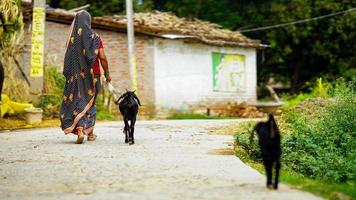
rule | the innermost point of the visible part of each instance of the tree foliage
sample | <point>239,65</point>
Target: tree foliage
<point>11,26</point>
<point>297,53</point>
<point>100,8</point>
<point>11,45</point>
<point>320,48</point>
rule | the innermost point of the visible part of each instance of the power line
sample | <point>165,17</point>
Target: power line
<point>296,22</point>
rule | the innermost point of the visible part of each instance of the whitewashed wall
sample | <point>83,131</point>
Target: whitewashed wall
<point>184,74</point>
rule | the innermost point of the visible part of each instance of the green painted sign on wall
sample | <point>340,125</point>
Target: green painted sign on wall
<point>229,72</point>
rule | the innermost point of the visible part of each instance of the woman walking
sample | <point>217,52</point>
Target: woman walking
<point>84,48</point>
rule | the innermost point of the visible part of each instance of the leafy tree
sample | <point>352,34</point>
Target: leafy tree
<point>11,46</point>
<point>303,52</point>
<point>100,8</point>
<point>11,26</point>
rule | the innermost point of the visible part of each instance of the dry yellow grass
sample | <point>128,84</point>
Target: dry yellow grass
<point>222,151</point>
<point>14,123</point>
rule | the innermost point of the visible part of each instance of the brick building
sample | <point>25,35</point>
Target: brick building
<point>181,64</point>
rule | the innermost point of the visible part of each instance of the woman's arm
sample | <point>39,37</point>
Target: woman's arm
<point>104,64</point>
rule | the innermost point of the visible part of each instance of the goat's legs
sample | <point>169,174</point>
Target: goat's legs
<point>268,167</point>
<point>129,132</point>
<point>126,130</point>
<point>132,127</point>
<point>278,167</point>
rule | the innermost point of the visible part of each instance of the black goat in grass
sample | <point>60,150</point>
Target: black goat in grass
<point>269,141</point>
<point>2,76</point>
<point>129,108</point>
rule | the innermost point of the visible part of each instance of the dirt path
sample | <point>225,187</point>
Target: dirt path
<point>170,160</point>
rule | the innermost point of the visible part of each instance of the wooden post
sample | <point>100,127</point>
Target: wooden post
<point>37,48</point>
<point>273,93</point>
<point>131,45</point>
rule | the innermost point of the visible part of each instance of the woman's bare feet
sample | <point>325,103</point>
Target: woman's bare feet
<point>91,137</point>
<point>80,138</point>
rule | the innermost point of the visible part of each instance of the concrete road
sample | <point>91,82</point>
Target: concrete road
<point>170,160</point>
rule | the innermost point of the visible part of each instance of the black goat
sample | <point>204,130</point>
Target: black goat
<point>129,108</point>
<point>2,76</point>
<point>270,145</point>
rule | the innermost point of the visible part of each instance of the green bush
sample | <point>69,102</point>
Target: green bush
<point>320,88</point>
<point>56,78</point>
<point>103,112</point>
<point>293,101</point>
<point>318,135</point>
<point>246,142</point>
<point>51,100</point>
<point>322,144</point>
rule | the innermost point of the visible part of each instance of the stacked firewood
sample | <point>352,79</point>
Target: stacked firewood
<point>235,110</point>
<point>232,109</point>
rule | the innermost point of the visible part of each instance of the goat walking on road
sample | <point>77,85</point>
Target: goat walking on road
<point>270,145</point>
<point>129,108</point>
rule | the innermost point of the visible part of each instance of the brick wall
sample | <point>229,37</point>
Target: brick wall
<point>115,46</point>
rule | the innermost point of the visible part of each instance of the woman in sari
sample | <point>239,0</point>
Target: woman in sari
<point>84,48</point>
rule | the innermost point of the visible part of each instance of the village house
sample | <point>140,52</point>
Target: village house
<point>181,64</point>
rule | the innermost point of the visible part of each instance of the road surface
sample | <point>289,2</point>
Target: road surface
<point>170,160</point>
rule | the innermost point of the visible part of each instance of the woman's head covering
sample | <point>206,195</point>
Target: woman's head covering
<point>82,44</point>
<point>77,109</point>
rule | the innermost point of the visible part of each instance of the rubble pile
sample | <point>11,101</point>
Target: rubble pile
<point>229,110</point>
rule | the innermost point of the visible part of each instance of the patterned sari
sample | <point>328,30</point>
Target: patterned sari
<point>78,110</point>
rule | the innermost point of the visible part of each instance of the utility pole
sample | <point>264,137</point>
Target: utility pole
<point>37,47</point>
<point>131,45</point>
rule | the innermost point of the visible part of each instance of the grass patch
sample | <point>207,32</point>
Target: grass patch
<point>102,112</point>
<point>328,190</point>
<point>106,115</point>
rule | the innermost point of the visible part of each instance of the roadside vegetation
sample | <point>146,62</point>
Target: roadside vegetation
<point>318,140</point>
<point>103,112</point>
<point>18,122</point>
